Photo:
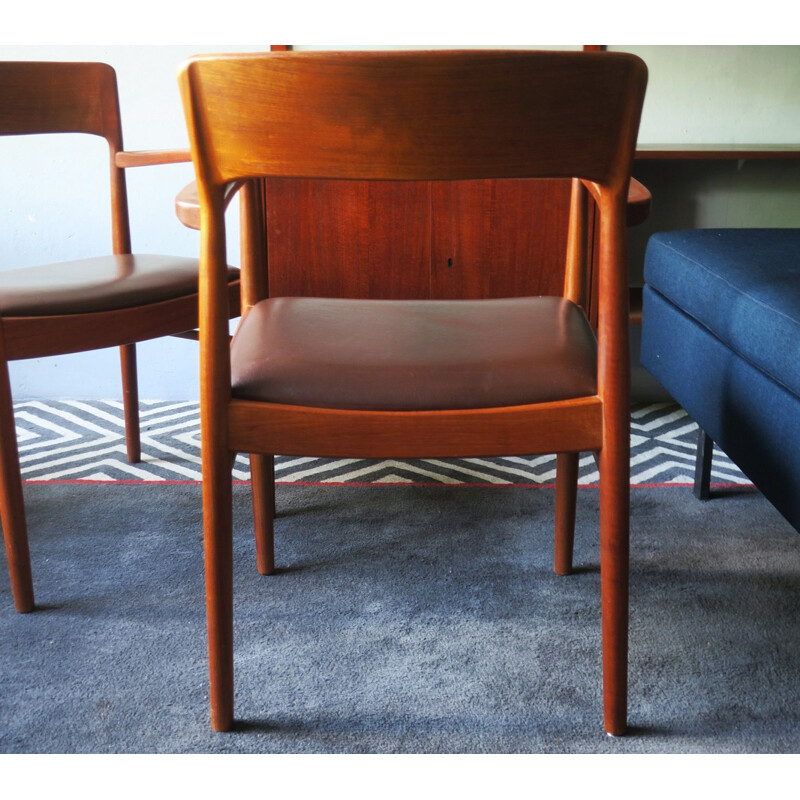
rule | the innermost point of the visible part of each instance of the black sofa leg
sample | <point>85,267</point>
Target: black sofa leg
<point>702,469</point>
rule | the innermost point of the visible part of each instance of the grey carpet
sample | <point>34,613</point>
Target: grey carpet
<point>404,619</point>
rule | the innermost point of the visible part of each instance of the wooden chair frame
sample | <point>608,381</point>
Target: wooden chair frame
<point>248,117</point>
<point>51,97</point>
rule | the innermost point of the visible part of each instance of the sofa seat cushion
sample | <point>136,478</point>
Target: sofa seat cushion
<point>743,285</point>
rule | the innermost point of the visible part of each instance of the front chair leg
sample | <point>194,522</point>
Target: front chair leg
<point>566,499</point>
<point>614,577</point>
<point>12,507</point>
<point>130,402</point>
<point>262,480</point>
<point>218,545</point>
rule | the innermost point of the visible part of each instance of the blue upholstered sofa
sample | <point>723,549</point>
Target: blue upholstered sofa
<point>721,333</point>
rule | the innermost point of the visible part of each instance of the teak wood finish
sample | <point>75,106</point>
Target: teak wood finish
<point>55,319</point>
<point>446,116</point>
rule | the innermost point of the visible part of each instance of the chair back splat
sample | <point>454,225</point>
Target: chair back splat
<point>416,378</point>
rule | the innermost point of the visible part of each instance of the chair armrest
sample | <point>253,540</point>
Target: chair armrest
<point>187,204</point>
<point>639,201</point>
<point>148,158</point>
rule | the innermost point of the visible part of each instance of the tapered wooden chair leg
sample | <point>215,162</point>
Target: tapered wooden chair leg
<point>614,576</point>
<point>218,542</point>
<point>262,479</point>
<point>130,402</point>
<point>566,499</point>
<point>12,507</point>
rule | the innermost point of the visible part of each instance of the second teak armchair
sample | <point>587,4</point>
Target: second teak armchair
<point>106,301</point>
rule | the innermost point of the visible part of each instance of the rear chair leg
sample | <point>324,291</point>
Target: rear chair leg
<point>262,478</point>
<point>130,402</point>
<point>566,499</point>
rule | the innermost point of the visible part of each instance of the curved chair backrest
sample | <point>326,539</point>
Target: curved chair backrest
<point>68,97</point>
<point>59,97</point>
<point>415,116</point>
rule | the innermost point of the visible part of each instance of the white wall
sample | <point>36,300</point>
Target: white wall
<point>722,94</point>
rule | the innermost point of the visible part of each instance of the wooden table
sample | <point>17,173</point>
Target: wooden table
<point>714,152</point>
<point>415,239</point>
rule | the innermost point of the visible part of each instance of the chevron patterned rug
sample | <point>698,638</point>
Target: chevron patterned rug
<point>74,440</point>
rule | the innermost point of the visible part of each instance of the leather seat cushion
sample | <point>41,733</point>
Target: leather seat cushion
<point>408,355</point>
<point>96,284</point>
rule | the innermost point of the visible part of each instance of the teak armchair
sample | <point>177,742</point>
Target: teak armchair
<point>108,301</point>
<point>363,378</point>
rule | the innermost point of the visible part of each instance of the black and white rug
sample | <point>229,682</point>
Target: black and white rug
<point>74,440</point>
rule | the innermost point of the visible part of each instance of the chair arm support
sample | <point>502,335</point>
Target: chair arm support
<point>148,158</point>
<point>187,204</point>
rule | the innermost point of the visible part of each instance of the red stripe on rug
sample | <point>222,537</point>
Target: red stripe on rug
<point>394,484</point>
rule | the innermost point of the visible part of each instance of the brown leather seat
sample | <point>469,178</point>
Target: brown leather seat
<point>96,284</point>
<point>412,355</point>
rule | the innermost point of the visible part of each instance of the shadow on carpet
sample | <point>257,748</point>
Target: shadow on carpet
<point>402,619</point>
